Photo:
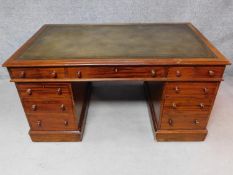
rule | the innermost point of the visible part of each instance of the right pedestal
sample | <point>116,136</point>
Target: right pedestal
<point>180,110</point>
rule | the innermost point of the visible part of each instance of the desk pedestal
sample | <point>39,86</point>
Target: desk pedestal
<point>56,112</point>
<point>180,111</point>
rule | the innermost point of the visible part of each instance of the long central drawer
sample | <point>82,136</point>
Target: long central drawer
<point>117,72</point>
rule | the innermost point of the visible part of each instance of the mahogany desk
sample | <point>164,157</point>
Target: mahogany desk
<point>180,68</point>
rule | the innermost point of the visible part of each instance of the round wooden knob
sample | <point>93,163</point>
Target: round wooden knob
<point>59,91</point>
<point>22,74</point>
<point>38,123</point>
<point>29,91</point>
<point>170,122</point>
<point>153,73</point>
<point>115,70</point>
<point>177,89</point>
<point>66,123</point>
<point>62,107</point>
<point>79,74</point>
<point>173,105</point>
<point>178,73</point>
<point>201,105</point>
<point>54,74</point>
<point>34,107</point>
<point>211,73</point>
<point>196,122</point>
<point>206,90</point>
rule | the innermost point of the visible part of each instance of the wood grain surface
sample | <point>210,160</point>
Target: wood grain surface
<point>181,69</point>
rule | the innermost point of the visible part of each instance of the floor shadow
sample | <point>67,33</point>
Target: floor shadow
<point>118,91</point>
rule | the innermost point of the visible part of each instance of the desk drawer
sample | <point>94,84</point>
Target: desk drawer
<point>51,122</point>
<point>196,72</point>
<point>44,90</point>
<point>187,105</point>
<point>191,89</point>
<point>184,122</point>
<point>117,72</point>
<point>187,113</point>
<point>37,73</point>
<point>47,106</point>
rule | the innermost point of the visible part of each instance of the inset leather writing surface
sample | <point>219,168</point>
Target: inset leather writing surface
<point>117,41</point>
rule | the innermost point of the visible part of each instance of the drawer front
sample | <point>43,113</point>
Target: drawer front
<point>44,90</point>
<point>199,90</point>
<point>37,106</point>
<point>37,73</point>
<point>52,122</point>
<point>187,106</point>
<point>184,122</point>
<point>117,72</point>
<point>196,72</point>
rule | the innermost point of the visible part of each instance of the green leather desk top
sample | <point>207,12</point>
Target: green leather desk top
<point>116,41</point>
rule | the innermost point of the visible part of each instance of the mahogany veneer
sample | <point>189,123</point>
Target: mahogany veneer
<point>181,69</point>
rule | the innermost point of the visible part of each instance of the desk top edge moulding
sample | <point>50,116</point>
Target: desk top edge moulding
<point>180,68</point>
<point>116,44</point>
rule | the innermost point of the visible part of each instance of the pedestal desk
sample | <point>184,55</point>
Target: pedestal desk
<point>180,68</point>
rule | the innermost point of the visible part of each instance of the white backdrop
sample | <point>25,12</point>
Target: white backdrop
<point>118,137</point>
<point>20,19</point>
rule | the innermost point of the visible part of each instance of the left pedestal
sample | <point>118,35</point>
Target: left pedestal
<point>56,112</point>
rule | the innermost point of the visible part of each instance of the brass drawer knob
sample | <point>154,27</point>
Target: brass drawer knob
<point>211,73</point>
<point>170,122</point>
<point>116,70</point>
<point>177,89</point>
<point>196,122</point>
<point>38,123</point>
<point>178,73</point>
<point>34,107</point>
<point>201,105</point>
<point>153,73</point>
<point>62,107</point>
<point>206,90</point>
<point>79,74</point>
<point>59,91</point>
<point>174,105</point>
<point>22,74</point>
<point>29,91</point>
<point>54,74</point>
<point>66,123</point>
